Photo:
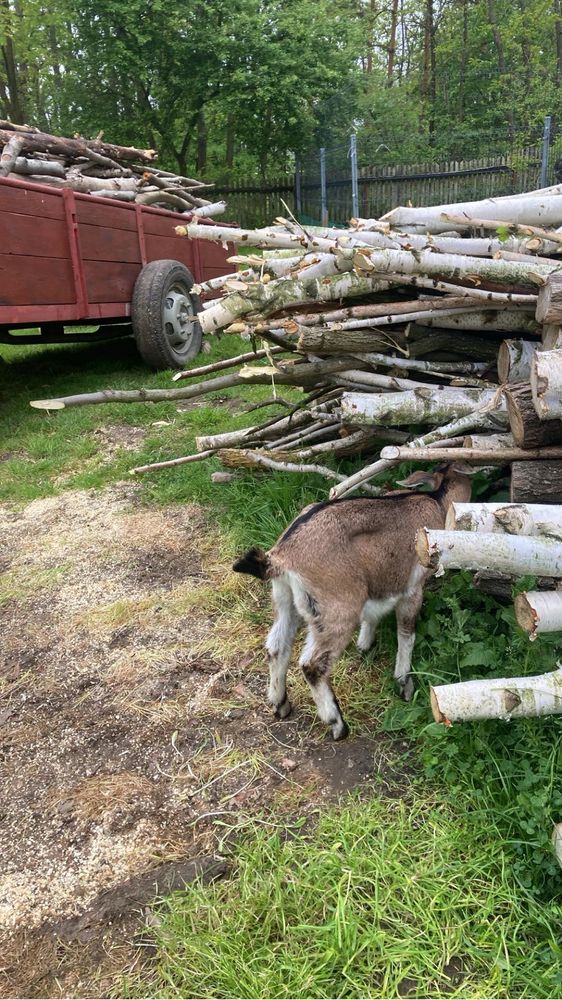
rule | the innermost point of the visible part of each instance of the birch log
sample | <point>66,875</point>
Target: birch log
<point>279,294</point>
<point>528,430</point>
<point>530,210</point>
<point>539,611</point>
<point>488,441</point>
<point>551,336</point>
<point>546,384</point>
<point>536,482</point>
<point>514,360</point>
<point>475,455</point>
<point>430,264</point>
<point>513,554</point>
<point>506,698</point>
<point>426,405</point>
<point>516,519</point>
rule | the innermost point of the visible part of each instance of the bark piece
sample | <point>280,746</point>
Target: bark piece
<point>536,482</point>
<point>518,519</point>
<point>546,384</point>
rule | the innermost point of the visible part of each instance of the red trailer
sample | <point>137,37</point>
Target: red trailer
<point>68,258</point>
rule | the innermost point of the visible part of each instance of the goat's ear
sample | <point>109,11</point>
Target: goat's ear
<point>464,468</point>
<point>422,478</point>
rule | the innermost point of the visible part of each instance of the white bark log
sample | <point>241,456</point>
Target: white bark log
<point>279,294</point>
<point>542,210</point>
<point>546,384</point>
<point>479,456</point>
<point>429,404</point>
<point>539,611</point>
<point>515,519</point>
<point>430,264</point>
<point>516,555</point>
<point>514,360</point>
<point>254,237</point>
<point>208,211</point>
<point>498,698</point>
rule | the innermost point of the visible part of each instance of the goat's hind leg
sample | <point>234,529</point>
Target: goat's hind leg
<point>407,611</point>
<point>324,643</point>
<point>279,645</point>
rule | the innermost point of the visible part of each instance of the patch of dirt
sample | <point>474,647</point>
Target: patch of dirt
<point>116,437</point>
<point>132,722</point>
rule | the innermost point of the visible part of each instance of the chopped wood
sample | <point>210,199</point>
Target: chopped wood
<point>537,612</point>
<point>478,455</point>
<point>528,430</point>
<point>515,519</point>
<point>517,555</point>
<point>498,698</point>
<point>549,302</point>
<point>546,384</point>
<point>536,482</point>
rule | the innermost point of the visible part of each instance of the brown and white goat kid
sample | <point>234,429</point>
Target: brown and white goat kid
<point>346,563</point>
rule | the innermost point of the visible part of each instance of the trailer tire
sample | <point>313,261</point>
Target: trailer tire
<point>162,315</point>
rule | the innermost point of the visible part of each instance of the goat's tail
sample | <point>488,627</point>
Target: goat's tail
<point>255,562</point>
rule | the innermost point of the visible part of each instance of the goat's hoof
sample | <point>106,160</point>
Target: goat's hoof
<point>340,731</point>
<point>283,710</point>
<point>407,689</point>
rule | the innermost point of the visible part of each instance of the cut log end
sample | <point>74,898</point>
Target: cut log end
<point>427,556</point>
<point>47,404</point>
<point>526,615</point>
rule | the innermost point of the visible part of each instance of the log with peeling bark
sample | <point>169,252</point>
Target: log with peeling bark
<point>517,555</point>
<point>515,519</point>
<point>546,384</point>
<point>498,698</point>
<point>479,456</point>
<point>528,210</point>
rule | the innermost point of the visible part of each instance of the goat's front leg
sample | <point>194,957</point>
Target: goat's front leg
<point>279,645</point>
<point>407,611</point>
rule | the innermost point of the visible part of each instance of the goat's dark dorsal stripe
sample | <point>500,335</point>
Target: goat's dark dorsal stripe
<point>317,507</point>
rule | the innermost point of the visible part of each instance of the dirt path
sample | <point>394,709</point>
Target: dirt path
<point>131,719</point>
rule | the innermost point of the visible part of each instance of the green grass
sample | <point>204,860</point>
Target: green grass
<point>387,899</point>
<point>465,868</point>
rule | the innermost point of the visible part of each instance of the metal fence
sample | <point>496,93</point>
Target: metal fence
<point>367,176</point>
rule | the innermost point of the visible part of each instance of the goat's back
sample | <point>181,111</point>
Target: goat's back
<point>366,542</point>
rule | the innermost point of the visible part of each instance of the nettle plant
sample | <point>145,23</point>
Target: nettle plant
<point>511,771</point>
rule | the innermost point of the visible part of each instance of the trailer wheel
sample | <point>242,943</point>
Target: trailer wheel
<point>163,314</point>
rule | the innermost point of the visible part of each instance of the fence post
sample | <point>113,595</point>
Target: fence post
<point>354,180</point>
<point>298,193</point>
<point>545,151</point>
<point>323,192</point>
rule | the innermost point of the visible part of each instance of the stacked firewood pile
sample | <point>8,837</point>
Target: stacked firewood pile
<point>99,168</point>
<point>410,340</point>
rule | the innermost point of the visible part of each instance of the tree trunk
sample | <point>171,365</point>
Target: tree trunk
<point>515,519</point>
<point>499,320</point>
<point>537,612</point>
<point>44,143</point>
<point>546,384</point>
<point>201,143</point>
<point>230,140</point>
<point>528,430</point>
<point>517,555</point>
<point>506,698</point>
<point>536,482</point>
<point>391,47</point>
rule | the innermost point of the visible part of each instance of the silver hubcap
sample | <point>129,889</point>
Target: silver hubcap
<point>178,316</point>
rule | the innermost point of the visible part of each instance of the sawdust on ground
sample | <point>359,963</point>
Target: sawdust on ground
<point>132,718</point>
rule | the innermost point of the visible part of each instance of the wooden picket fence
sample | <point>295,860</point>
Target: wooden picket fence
<point>382,188</point>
